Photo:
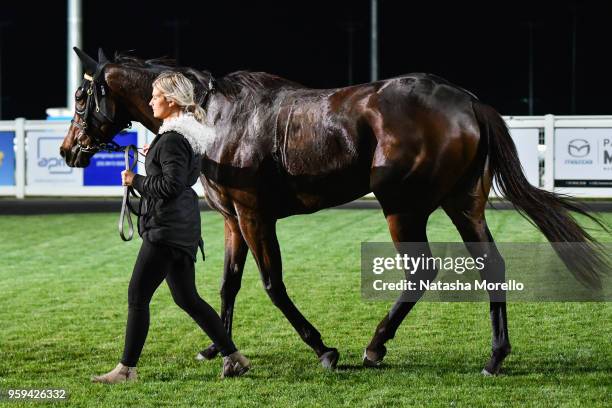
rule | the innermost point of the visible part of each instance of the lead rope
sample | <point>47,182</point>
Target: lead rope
<point>126,207</point>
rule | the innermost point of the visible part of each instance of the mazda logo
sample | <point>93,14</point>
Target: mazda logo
<point>578,148</point>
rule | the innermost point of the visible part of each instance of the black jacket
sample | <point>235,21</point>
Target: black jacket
<point>170,212</point>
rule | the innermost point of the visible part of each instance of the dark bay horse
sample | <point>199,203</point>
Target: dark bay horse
<point>416,141</point>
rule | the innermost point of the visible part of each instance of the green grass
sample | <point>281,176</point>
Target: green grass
<point>63,304</point>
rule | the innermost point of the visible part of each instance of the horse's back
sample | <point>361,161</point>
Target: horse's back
<point>318,132</point>
<point>318,148</point>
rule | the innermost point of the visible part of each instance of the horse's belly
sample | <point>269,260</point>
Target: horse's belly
<point>309,193</point>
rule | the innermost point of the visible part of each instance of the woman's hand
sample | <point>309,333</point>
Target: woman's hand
<point>145,149</point>
<point>126,177</point>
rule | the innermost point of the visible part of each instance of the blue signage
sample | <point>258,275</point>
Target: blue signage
<point>7,159</point>
<point>105,167</point>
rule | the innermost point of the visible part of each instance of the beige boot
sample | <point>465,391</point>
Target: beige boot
<point>235,365</point>
<point>119,374</point>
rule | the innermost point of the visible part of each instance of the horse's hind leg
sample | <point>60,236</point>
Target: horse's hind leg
<point>235,256</point>
<point>467,213</point>
<point>404,227</point>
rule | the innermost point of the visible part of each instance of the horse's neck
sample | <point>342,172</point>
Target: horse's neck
<point>149,122</point>
<point>215,108</point>
<point>139,108</point>
<point>135,102</point>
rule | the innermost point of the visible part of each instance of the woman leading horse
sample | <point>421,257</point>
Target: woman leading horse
<point>416,141</point>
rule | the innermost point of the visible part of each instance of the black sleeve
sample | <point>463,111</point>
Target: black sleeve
<point>175,156</point>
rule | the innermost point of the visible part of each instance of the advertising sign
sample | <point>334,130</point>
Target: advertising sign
<point>105,168</point>
<point>45,166</point>
<point>7,159</point>
<point>583,157</point>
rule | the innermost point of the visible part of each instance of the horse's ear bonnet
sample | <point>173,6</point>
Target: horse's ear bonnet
<point>89,64</point>
<point>101,57</point>
<point>92,67</point>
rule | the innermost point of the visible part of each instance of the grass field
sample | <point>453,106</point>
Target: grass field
<point>63,303</point>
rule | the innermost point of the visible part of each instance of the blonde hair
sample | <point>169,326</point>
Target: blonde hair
<point>178,88</point>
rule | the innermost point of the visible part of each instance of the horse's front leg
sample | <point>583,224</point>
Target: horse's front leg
<point>260,235</point>
<point>235,256</point>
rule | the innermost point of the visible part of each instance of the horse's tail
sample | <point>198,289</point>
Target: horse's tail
<point>550,212</point>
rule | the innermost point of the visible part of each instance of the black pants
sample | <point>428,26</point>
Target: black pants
<point>154,263</point>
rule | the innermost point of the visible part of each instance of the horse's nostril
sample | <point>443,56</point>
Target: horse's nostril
<point>62,152</point>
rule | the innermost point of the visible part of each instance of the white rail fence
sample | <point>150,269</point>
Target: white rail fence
<point>569,154</point>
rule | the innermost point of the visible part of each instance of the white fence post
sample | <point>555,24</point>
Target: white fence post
<point>549,155</point>
<point>20,163</point>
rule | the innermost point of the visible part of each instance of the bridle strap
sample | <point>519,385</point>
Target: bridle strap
<point>126,207</point>
<point>97,145</point>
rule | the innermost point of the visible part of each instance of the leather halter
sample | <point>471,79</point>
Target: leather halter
<point>96,92</point>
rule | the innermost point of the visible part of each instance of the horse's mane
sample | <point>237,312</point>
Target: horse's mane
<point>231,85</point>
<point>200,78</point>
<point>238,82</point>
<point>125,58</point>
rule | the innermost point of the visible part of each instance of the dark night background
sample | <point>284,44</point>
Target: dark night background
<point>481,46</point>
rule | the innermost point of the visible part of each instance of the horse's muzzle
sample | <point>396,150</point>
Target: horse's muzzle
<point>74,157</point>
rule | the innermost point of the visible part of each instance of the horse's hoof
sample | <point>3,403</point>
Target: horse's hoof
<point>374,358</point>
<point>329,359</point>
<point>208,353</point>
<point>494,365</point>
<point>490,371</point>
<point>486,373</point>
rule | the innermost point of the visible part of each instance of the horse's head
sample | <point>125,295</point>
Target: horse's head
<point>97,116</point>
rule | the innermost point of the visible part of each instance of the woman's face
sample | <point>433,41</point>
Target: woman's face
<point>162,108</point>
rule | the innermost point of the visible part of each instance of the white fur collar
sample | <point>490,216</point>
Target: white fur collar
<point>199,135</point>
